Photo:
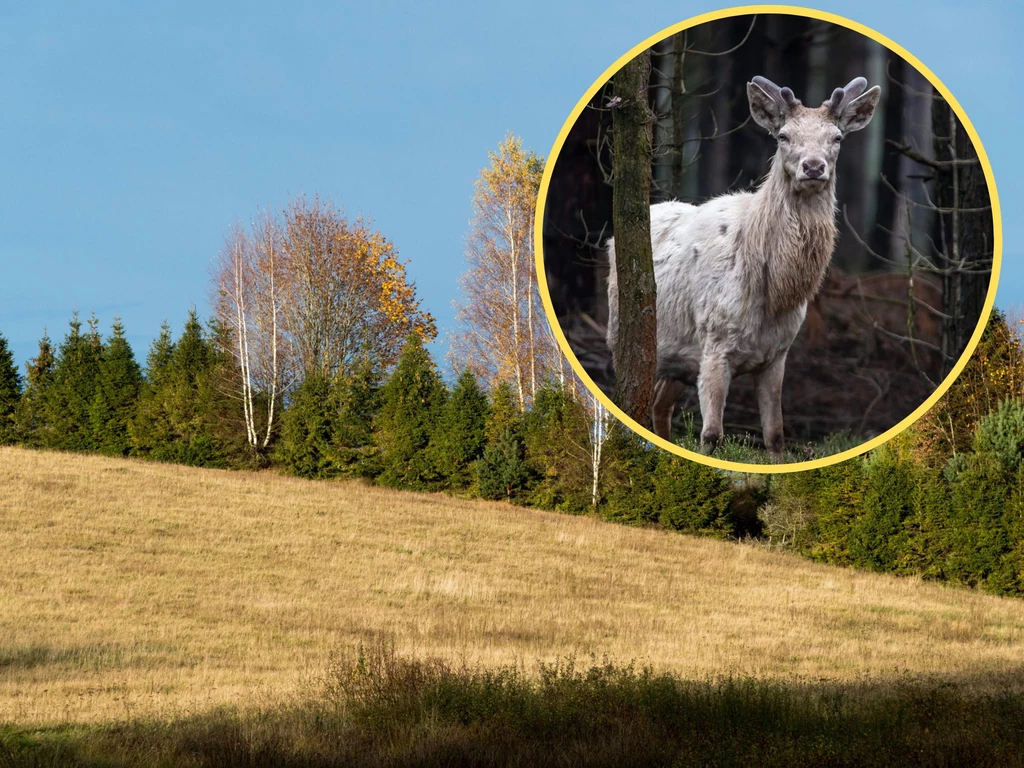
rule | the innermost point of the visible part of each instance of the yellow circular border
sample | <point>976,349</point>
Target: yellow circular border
<point>997,240</point>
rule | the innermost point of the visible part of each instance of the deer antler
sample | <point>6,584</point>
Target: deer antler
<point>841,97</point>
<point>781,95</point>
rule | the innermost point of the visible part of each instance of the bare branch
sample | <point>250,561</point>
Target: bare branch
<point>736,47</point>
<point>917,157</point>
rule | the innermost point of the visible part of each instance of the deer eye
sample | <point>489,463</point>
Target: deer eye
<point>784,138</point>
<point>838,138</point>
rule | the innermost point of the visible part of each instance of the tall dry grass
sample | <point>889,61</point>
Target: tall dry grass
<point>137,590</point>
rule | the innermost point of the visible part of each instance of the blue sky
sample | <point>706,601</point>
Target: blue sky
<point>135,134</point>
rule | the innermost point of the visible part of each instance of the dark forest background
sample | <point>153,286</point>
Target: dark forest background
<point>911,268</point>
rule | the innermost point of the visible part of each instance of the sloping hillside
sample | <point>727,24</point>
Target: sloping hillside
<point>130,588</point>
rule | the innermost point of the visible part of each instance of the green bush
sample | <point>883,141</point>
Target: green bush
<point>691,496</point>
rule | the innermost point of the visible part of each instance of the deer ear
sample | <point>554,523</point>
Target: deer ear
<point>858,113</point>
<point>765,110</point>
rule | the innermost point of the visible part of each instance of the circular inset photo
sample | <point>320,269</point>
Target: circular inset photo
<point>768,241</point>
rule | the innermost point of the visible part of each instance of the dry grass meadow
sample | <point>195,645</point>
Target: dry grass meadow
<point>140,590</point>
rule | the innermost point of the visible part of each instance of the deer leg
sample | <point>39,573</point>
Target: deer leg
<point>712,388</point>
<point>666,392</point>
<point>769,402</point>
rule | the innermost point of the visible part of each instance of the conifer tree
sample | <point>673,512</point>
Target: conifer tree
<point>557,439</point>
<point>307,430</point>
<point>69,398</point>
<point>877,536</point>
<point>459,435</point>
<point>504,413</point>
<point>928,527</point>
<point>631,467</point>
<point>833,495</point>
<point>502,471</point>
<point>692,497</point>
<point>160,357</point>
<point>117,392</point>
<point>193,353</point>
<point>30,421</point>
<point>356,401</point>
<point>1009,579</point>
<point>178,411</point>
<point>10,392</point>
<point>411,401</point>
<point>980,538</point>
<point>149,431</point>
<point>986,502</point>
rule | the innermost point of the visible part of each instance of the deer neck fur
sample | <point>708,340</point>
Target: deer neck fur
<point>789,240</point>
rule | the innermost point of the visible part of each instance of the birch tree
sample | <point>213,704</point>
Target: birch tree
<point>345,296</point>
<point>247,302</point>
<point>308,291</point>
<point>502,332</point>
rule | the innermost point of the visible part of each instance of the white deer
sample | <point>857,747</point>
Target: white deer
<point>735,273</point>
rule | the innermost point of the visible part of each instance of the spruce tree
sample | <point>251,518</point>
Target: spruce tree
<point>356,401</point>
<point>411,401</point>
<point>630,469</point>
<point>557,439</point>
<point>193,352</point>
<point>502,471</point>
<point>117,392</point>
<point>833,496</point>
<point>223,414</point>
<point>160,357</point>
<point>981,538</point>
<point>1001,435</point>
<point>504,413</point>
<point>30,420</point>
<point>178,410</point>
<point>69,398</point>
<point>877,536</point>
<point>459,435</point>
<point>985,502</point>
<point>149,431</point>
<point>10,392</point>
<point>194,396</point>
<point>928,529</point>
<point>1009,578</point>
<point>307,430</point>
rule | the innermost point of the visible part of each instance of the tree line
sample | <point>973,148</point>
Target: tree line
<point>407,430</point>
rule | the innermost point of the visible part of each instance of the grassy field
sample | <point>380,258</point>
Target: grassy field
<point>146,593</point>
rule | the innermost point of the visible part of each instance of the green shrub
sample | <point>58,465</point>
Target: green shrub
<point>691,496</point>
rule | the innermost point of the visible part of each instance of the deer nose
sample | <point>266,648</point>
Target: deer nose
<point>814,169</point>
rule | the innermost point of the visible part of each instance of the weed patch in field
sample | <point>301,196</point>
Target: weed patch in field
<point>375,707</point>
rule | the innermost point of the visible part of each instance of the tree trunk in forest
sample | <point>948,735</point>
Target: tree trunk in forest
<point>634,263</point>
<point>678,91</point>
<point>961,194</point>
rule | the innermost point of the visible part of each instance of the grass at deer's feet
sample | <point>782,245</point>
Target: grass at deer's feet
<point>749,448</point>
<point>134,591</point>
<point>376,708</point>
